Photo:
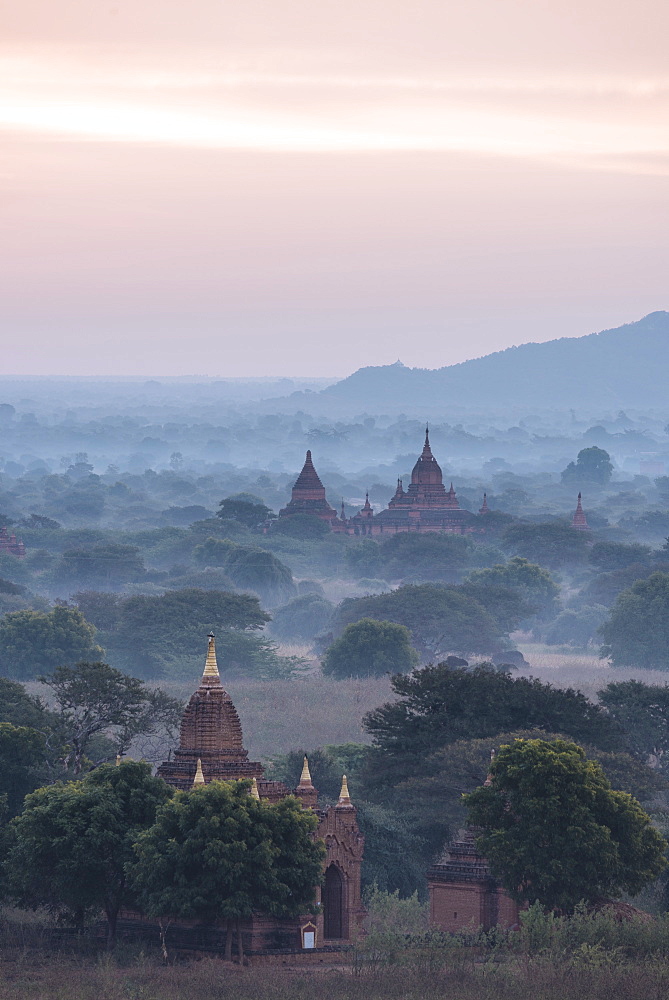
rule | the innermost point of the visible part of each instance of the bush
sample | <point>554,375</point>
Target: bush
<point>370,648</point>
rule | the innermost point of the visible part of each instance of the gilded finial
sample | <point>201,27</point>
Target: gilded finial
<point>210,666</point>
<point>254,789</point>
<point>344,797</point>
<point>199,776</point>
<point>305,777</point>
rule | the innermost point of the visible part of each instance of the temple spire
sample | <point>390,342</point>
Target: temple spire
<point>199,776</point>
<point>118,760</point>
<point>427,451</point>
<point>211,674</point>
<point>305,777</point>
<point>344,796</point>
<point>255,794</point>
<point>579,520</point>
<point>484,509</point>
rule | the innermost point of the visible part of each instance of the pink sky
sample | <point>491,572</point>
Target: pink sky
<point>283,187</point>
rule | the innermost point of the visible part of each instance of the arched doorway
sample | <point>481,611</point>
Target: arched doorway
<point>333,903</point>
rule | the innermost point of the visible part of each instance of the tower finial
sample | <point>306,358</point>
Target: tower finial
<point>255,794</point>
<point>211,673</point>
<point>118,760</point>
<point>199,776</point>
<point>344,796</point>
<point>305,777</point>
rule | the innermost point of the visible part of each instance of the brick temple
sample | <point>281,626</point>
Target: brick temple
<point>464,895</point>
<point>11,545</point>
<point>426,504</point>
<point>211,749</point>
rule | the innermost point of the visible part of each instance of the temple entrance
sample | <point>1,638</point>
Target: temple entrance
<point>333,904</point>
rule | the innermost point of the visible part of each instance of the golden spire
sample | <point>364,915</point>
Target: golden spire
<point>211,673</point>
<point>344,797</point>
<point>118,759</point>
<point>254,789</point>
<point>305,777</point>
<point>199,776</point>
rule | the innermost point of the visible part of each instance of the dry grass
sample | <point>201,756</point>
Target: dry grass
<point>31,976</point>
<point>579,670</point>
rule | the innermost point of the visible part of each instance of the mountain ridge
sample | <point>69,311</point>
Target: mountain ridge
<point>623,366</point>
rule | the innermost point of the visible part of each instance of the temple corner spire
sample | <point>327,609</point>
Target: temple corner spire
<point>344,795</point>
<point>199,776</point>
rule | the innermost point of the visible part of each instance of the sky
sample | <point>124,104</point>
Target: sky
<point>283,187</point>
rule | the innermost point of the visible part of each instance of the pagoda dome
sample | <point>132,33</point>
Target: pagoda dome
<point>426,471</point>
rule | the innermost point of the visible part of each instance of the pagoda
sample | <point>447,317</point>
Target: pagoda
<point>308,497</point>
<point>579,521</point>
<point>11,545</point>
<point>426,504</point>
<point>211,749</point>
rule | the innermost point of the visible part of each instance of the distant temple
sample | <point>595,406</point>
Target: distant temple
<point>10,544</point>
<point>464,894</point>
<point>579,521</point>
<point>210,749</point>
<point>426,505</point>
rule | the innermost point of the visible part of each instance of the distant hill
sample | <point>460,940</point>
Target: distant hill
<point>625,367</point>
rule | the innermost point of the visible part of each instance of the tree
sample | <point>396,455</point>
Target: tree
<point>34,641</point>
<point>261,571</point>
<point>22,765</point>
<point>607,557</point>
<point>637,631</point>
<point>440,704</point>
<point>576,628</point>
<point>151,633</point>
<point>106,566</point>
<point>643,712</point>
<point>96,700</point>
<point>592,466</point>
<point>244,508</point>
<point>217,853</point>
<point>553,544</point>
<point>556,833</point>
<point>302,618</point>
<point>303,526</point>
<point>415,558</point>
<point>529,580</point>
<point>370,648</point>
<point>432,800</point>
<point>441,619</point>
<point>73,842</point>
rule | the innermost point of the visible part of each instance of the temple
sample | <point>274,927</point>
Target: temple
<point>10,544</point>
<point>463,893</point>
<point>426,504</point>
<point>308,497</point>
<point>211,749</point>
<point>579,521</point>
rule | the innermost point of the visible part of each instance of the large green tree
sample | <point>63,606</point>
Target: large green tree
<point>643,711</point>
<point>370,648</point>
<point>23,755</point>
<point>529,580</point>
<point>553,543</point>
<point>592,467</point>
<point>637,631</point>
<point>34,641</point>
<point>555,832</point>
<point>441,619</point>
<point>302,618</point>
<point>216,853</point>
<point>105,566</point>
<point>95,700</point>
<point>244,508</point>
<point>441,704</point>
<point>157,636</point>
<point>73,842</point>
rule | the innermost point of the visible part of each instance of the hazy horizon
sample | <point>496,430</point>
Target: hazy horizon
<point>272,188</point>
